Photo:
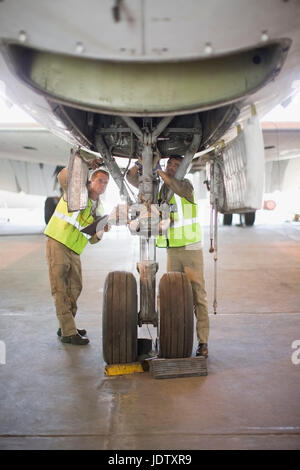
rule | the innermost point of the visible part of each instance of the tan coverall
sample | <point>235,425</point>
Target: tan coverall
<point>66,283</point>
<point>65,274</point>
<point>189,260</point>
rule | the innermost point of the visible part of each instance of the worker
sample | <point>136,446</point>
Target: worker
<point>183,241</point>
<point>65,243</point>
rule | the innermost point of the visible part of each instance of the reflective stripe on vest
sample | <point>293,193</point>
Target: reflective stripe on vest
<point>180,220</point>
<point>72,220</point>
<point>65,226</point>
<point>185,228</point>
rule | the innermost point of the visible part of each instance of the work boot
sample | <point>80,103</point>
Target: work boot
<point>202,350</point>
<point>75,339</point>
<point>81,332</point>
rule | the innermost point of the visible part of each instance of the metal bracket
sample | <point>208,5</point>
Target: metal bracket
<point>148,140</point>
<point>147,268</point>
<point>112,167</point>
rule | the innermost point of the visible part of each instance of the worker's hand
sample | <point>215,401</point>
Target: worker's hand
<point>163,226</point>
<point>165,177</point>
<point>134,226</point>
<point>161,173</point>
<point>62,178</point>
<point>157,168</point>
<point>99,234</point>
<point>139,164</point>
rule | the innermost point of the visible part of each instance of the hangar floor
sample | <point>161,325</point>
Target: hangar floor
<point>56,396</point>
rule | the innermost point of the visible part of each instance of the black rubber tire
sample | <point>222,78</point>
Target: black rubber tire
<point>227,219</point>
<point>119,318</point>
<point>249,218</point>
<point>176,327</point>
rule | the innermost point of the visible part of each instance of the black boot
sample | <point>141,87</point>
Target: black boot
<point>75,339</point>
<point>202,350</point>
<point>81,332</point>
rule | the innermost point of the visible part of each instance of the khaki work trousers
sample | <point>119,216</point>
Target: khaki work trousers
<point>190,262</point>
<point>66,283</point>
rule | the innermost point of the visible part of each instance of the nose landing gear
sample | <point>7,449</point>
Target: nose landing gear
<point>174,317</point>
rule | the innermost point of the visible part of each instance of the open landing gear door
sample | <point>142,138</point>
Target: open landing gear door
<point>77,193</point>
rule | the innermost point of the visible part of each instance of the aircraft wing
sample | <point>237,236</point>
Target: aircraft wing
<point>29,156</point>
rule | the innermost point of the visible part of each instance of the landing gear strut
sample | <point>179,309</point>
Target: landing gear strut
<point>120,317</point>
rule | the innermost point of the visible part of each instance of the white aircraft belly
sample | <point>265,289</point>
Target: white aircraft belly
<point>150,30</point>
<point>147,29</point>
<point>32,145</point>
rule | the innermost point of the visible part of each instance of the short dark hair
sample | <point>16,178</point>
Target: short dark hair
<point>176,157</point>
<point>98,171</point>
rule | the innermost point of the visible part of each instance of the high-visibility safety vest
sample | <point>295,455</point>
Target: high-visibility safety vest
<point>185,228</point>
<point>65,226</point>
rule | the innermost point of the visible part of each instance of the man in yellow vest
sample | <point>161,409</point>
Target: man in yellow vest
<point>65,243</point>
<point>183,241</point>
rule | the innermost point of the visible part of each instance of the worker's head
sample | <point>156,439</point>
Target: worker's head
<point>98,182</point>
<point>172,165</point>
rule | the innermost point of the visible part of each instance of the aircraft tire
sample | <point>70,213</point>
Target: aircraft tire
<point>119,318</point>
<point>249,218</point>
<point>176,323</point>
<point>227,219</point>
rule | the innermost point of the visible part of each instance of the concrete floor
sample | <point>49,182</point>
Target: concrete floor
<point>56,396</point>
